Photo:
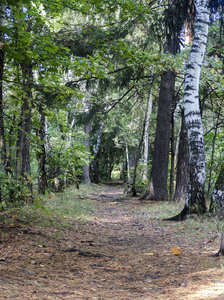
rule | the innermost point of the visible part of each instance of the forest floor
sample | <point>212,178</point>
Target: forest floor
<point>121,253</point>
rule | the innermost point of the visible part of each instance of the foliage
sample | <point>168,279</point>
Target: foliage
<point>93,61</point>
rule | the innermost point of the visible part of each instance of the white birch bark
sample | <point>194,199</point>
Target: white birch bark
<point>128,164</point>
<point>146,136</point>
<point>85,168</point>
<point>195,197</point>
<point>87,129</point>
<point>98,142</point>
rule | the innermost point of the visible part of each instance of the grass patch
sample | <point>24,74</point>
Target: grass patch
<point>56,210</point>
<point>196,229</point>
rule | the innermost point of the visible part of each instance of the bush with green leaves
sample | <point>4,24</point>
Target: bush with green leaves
<point>64,164</point>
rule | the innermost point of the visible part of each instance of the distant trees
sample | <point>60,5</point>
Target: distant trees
<point>51,135</point>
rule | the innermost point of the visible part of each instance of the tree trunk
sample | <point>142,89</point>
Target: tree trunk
<point>213,152</point>
<point>2,134</point>
<point>172,152</point>
<point>217,199</point>
<point>157,188</point>
<point>195,201</point>
<point>146,137</point>
<point>128,177</point>
<point>23,144</point>
<point>162,140</point>
<point>221,249</point>
<point>182,164</point>
<point>86,142</point>
<point>138,152</point>
<point>95,173</point>
<point>41,155</point>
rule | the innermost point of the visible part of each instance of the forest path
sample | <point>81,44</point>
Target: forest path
<point>122,253</point>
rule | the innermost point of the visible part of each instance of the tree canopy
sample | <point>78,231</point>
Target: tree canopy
<point>68,64</point>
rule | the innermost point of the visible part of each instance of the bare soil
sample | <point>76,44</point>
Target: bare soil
<point>121,254</point>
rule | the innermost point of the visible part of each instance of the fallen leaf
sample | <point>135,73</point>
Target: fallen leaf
<point>176,251</point>
<point>151,253</point>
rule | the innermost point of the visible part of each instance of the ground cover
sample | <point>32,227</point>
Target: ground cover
<point>120,250</point>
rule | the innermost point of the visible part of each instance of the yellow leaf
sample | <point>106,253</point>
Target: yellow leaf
<point>149,253</point>
<point>176,251</point>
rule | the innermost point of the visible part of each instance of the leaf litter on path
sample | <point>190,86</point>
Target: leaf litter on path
<point>121,254</point>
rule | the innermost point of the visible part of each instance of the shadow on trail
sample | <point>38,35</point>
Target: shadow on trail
<point>114,182</point>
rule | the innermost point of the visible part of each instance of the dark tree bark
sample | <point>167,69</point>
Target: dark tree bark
<point>41,155</point>
<point>2,134</point>
<point>23,144</point>
<point>174,18</point>
<point>221,249</point>
<point>182,164</point>
<point>157,188</point>
<point>217,199</point>
<point>138,152</point>
<point>213,151</point>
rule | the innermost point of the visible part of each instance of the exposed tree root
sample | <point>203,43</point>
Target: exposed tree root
<point>179,217</point>
<point>144,196</point>
<point>219,253</point>
<point>221,250</point>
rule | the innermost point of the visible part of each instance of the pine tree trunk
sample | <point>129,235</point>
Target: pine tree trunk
<point>41,155</point>
<point>162,140</point>
<point>23,144</point>
<point>138,152</point>
<point>221,249</point>
<point>213,153</point>
<point>182,164</point>
<point>157,188</point>
<point>2,134</point>
<point>217,199</point>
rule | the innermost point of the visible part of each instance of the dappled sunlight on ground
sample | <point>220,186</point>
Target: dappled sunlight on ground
<point>121,254</point>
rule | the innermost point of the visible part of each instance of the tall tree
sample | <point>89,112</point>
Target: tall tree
<point>182,164</point>
<point>146,136</point>
<point>157,188</point>
<point>174,17</point>
<point>86,168</point>
<point>217,199</point>
<point>2,131</point>
<point>195,201</point>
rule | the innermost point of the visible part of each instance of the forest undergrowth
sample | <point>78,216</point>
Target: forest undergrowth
<point>98,243</point>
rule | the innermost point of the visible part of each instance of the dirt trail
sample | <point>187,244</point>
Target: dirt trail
<point>121,254</point>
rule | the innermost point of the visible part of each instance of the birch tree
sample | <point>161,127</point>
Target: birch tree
<point>195,201</point>
<point>146,136</point>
